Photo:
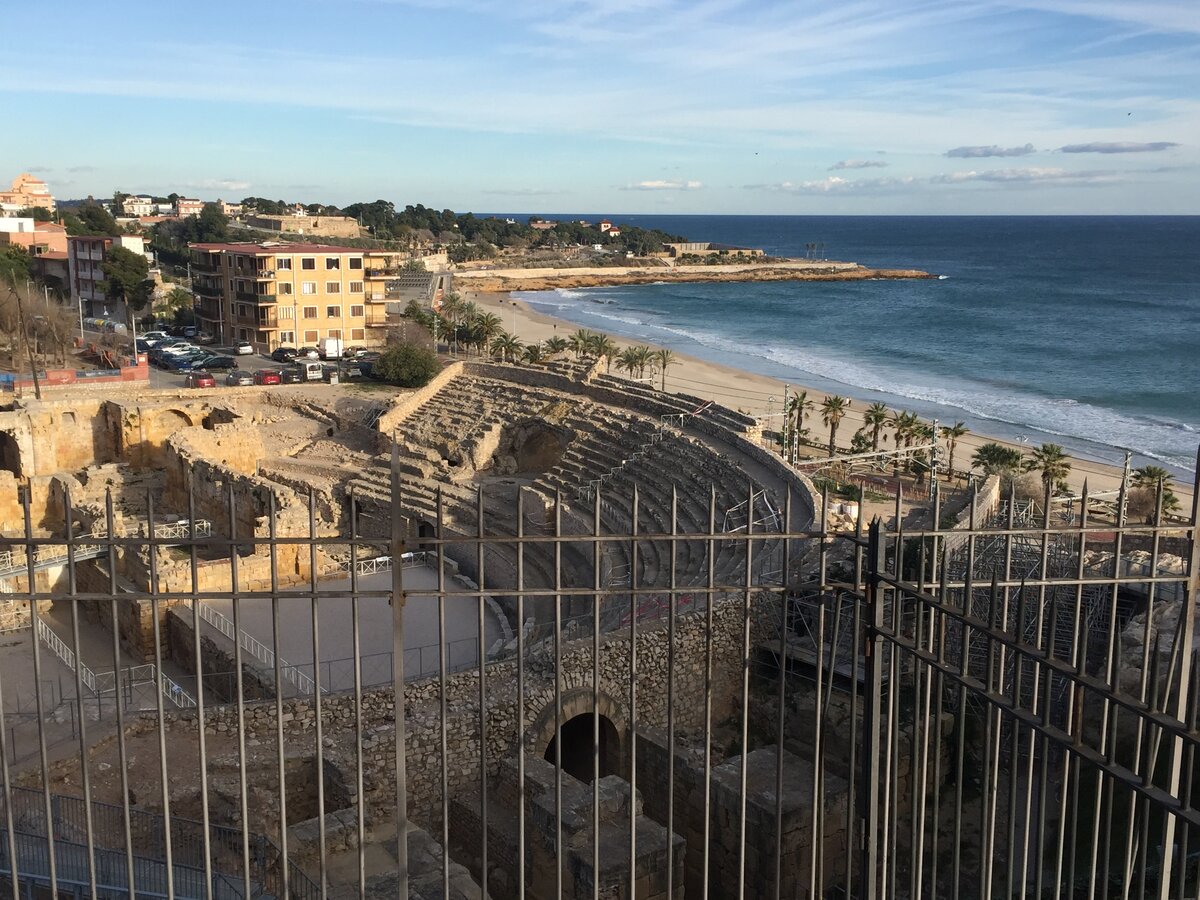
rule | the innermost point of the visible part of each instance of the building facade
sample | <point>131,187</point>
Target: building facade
<point>35,238</point>
<point>316,226</point>
<point>276,293</point>
<point>138,206</point>
<point>25,191</point>
<point>187,206</point>
<point>85,255</point>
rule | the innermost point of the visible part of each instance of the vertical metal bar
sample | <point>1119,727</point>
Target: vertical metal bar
<point>319,725</point>
<point>674,600</point>
<point>852,800</point>
<point>201,740</point>
<point>520,695</point>
<point>39,706</point>
<point>443,685</point>
<point>10,828</point>
<point>272,537</point>
<point>597,554</point>
<point>483,733</point>
<point>816,822</point>
<point>744,771</point>
<point>633,674</point>
<point>872,651</point>
<point>84,745</point>
<point>122,749</point>
<point>397,553</point>
<point>559,855</point>
<point>706,850</point>
<point>356,650</point>
<point>243,786</point>
<point>163,770</point>
<point>781,712</point>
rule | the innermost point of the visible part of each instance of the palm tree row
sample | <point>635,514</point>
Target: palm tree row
<point>1049,460</point>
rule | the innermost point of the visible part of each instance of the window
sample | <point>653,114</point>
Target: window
<point>284,263</point>
<point>333,312</point>
<point>285,287</point>
<point>308,287</point>
<point>356,287</point>
<point>287,337</point>
<point>356,312</point>
<point>356,262</point>
<point>332,262</point>
<point>310,312</point>
<point>333,287</point>
<point>287,312</point>
<point>358,334</point>
<point>310,337</point>
<point>308,262</point>
<point>335,332</point>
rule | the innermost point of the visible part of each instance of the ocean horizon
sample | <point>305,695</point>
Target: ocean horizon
<point>1080,330</point>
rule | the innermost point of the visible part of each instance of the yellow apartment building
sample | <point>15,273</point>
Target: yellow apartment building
<point>279,293</point>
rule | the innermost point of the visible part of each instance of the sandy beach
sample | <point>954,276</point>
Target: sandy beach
<point>760,395</point>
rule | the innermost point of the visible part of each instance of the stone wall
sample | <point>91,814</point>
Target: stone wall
<point>216,660</point>
<point>404,406</point>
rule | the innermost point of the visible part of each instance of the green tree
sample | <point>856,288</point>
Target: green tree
<point>407,365</point>
<point>952,434</point>
<point>37,213</point>
<point>581,342</point>
<point>91,219</point>
<point>798,407</point>
<point>506,346</point>
<point>996,459</point>
<point>556,345</point>
<point>534,353</point>
<point>14,265</point>
<point>875,418</point>
<point>664,358</point>
<point>212,225</point>
<point>1051,461</point>
<point>833,410</point>
<point>125,278</point>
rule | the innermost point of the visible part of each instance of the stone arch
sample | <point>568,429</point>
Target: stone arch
<point>577,705</point>
<point>170,418</point>
<point>10,453</point>
<point>580,740</point>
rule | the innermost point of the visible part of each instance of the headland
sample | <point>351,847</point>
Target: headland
<point>497,280</point>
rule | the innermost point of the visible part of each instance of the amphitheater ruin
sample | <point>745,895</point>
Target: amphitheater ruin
<point>627,656</point>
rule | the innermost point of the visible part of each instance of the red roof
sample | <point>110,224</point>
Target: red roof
<point>280,248</point>
<point>52,254</point>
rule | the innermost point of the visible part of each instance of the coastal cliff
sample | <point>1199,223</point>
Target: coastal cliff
<point>501,280</point>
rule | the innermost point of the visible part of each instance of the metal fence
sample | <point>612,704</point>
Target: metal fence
<point>881,717</point>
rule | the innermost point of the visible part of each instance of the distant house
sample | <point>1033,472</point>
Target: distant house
<point>35,237</point>
<point>230,209</point>
<point>542,224</point>
<point>708,248</point>
<point>187,206</point>
<point>605,225</point>
<point>136,207</point>
<point>316,226</point>
<point>612,232</point>
<point>85,254</point>
<point>26,191</point>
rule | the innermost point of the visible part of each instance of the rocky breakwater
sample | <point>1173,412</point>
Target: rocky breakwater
<point>546,279</point>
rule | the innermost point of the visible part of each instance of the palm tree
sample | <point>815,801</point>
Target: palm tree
<point>603,345</point>
<point>875,418</point>
<point>627,360</point>
<point>581,342</point>
<point>506,346</point>
<point>1151,476</point>
<point>952,433</point>
<point>640,356</point>
<point>996,459</point>
<point>664,358</point>
<point>533,353</point>
<point>833,409</point>
<point>452,311</point>
<point>798,407</point>
<point>485,327</point>
<point>1052,461</point>
<point>556,345</point>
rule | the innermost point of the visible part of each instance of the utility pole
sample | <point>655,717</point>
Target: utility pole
<point>787,446</point>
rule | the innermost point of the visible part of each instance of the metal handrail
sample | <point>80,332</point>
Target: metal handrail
<point>255,647</point>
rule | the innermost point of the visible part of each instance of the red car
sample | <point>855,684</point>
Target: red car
<point>199,380</point>
<point>266,376</point>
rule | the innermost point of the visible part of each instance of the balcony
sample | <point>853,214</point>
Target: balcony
<point>378,317</point>
<point>200,264</point>
<point>257,321</point>
<point>390,272</point>
<point>253,297</point>
<point>206,290</point>
<point>265,274</point>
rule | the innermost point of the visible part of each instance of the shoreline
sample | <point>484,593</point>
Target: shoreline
<point>501,280</point>
<point>753,393</point>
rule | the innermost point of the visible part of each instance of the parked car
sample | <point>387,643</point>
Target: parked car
<point>199,380</point>
<point>309,353</point>
<point>190,331</point>
<point>187,362</point>
<point>330,348</point>
<point>215,363</point>
<point>239,379</point>
<point>353,352</point>
<point>142,346</point>
<point>293,376</point>
<point>244,348</point>
<point>266,376</point>
<point>154,338</point>
<point>205,338</point>
<point>284,354</point>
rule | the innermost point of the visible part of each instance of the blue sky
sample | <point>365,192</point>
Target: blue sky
<point>686,106</point>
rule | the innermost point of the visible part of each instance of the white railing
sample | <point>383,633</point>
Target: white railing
<point>183,529</point>
<point>378,565</point>
<point>255,648</point>
<point>107,681</point>
<point>16,562</point>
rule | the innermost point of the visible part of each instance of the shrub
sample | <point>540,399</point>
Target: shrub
<point>407,365</point>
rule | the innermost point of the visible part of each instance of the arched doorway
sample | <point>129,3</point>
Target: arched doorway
<point>10,454</point>
<point>579,739</point>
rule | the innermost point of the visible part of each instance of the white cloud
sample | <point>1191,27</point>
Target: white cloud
<point>659,184</point>
<point>977,152</point>
<point>1118,147</point>
<point>217,184</point>
<point>1049,176</point>
<point>858,164</point>
<point>835,184</point>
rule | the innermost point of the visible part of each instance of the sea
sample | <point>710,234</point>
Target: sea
<point>1081,331</point>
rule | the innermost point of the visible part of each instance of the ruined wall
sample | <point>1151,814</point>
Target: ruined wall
<point>404,406</point>
<point>47,436</point>
<point>217,660</point>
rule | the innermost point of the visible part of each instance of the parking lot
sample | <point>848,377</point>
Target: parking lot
<point>251,363</point>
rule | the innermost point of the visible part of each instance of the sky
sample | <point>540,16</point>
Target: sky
<point>972,107</point>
